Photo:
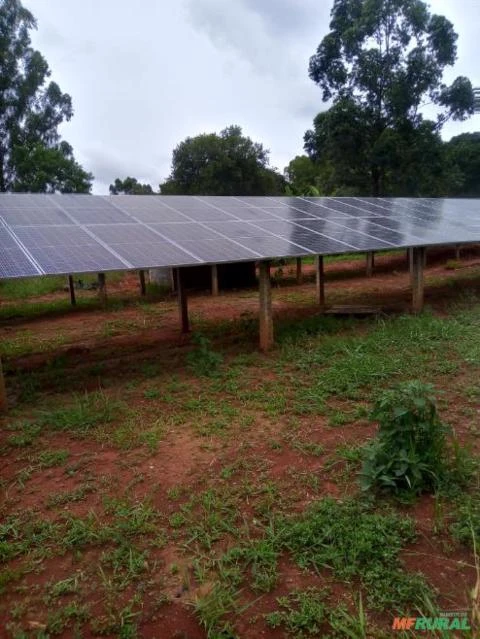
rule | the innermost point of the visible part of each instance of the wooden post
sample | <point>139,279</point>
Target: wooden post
<point>320,281</point>
<point>457,251</point>
<point>266,318</point>
<point>102,289</point>
<point>71,287</point>
<point>182,301</point>
<point>370,263</point>
<point>3,391</point>
<point>299,270</point>
<point>214,280</point>
<point>410,260</point>
<point>143,286</point>
<point>418,257</point>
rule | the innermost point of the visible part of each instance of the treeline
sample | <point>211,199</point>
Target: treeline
<point>440,169</point>
<point>380,63</point>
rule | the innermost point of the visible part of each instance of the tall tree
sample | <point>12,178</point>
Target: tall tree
<point>32,155</point>
<point>381,62</point>
<point>222,164</point>
<point>130,186</point>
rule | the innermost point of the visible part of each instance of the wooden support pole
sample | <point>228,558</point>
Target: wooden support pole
<point>320,281</point>
<point>3,391</point>
<point>370,263</point>
<point>266,317</point>
<point>418,258</point>
<point>102,288</point>
<point>457,251</point>
<point>299,270</point>
<point>214,280</point>
<point>71,288</point>
<point>182,301</point>
<point>143,286</point>
<point>410,260</point>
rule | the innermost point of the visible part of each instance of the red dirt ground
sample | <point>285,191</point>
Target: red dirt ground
<point>188,460</point>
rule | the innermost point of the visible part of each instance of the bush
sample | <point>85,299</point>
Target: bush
<point>202,360</point>
<point>409,455</point>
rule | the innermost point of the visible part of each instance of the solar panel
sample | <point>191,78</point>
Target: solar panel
<point>61,234</point>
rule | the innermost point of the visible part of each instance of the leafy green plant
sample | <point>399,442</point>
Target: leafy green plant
<point>202,360</point>
<point>301,613</point>
<point>409,455</point>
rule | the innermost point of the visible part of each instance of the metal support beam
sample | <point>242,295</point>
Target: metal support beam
<point>266,317</point>
<point>3,391</point>
<point>418,261</point>
<point>182,301</point>
<point>214,280</point>
<point>370,263</point>
<point>320,281</point>
<point>71,288</point>
<point>102,288</point>
<point>299,270</point>
<point>143,286</point>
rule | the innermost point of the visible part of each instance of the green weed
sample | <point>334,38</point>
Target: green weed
<point>302,613</point>
<point>410,453</point>
<point>202,360</point>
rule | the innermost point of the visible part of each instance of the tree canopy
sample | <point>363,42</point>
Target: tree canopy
<point>380,64</point>
<point>463,158</point>
<point>32,155</point>
<point>227,163</point>
<point>130,186</point>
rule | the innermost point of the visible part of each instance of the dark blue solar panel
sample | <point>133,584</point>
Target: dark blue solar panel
<point>79,233</point>
<point>14,263</point>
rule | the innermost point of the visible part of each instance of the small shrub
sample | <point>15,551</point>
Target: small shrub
<point>409,455</point>
<point>202,360</point>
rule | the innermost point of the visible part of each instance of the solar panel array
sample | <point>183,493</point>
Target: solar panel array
<point>61,234</point>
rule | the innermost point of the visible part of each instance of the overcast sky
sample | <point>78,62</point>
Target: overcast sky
<point>144,75</point>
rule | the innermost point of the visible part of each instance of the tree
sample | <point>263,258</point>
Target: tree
<point>130,186</point>
<point>303,176</point>
<point>222,164</point>
<point>381,62</point>
<point>32,155</point>
<point>463,157</point>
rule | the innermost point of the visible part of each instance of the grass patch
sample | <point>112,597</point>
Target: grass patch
<point>84,414</point>
<point>347,540</point>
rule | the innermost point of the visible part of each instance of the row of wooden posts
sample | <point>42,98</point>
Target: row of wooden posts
<point>416,257</point>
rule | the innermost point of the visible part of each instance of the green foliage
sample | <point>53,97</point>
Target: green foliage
<point>32,155</point>
<point>301,613</point>
<point>409,453</point>
<point>130,186</point>
<point>202,360</point>
<point>466,525</point>
<point>221,164</point>
<point>51,458</point>
<point>354,542</point>
<point>463,158</point>
<point>348,539</point>
<point>211,610</point>
<point>86,412</point>
<point>303,177</point>
<point>380,61</point>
